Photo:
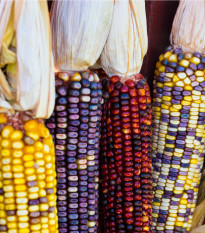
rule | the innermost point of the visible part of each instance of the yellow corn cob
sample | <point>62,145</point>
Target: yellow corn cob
<point>27,177</point>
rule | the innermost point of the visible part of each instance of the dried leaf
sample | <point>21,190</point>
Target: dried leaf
<point>126,45</point>
<point>4,87</point>
<point>188,29</point>
<point>199,215</point>
<point>79,31</point>
<point>6,56</point>
<point>200,229</point>
<point>30,74</point>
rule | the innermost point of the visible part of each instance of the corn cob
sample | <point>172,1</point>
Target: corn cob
<point>125,155</point>
<point>27,176</point>
<point>178,143</point>
<point>75,126</point>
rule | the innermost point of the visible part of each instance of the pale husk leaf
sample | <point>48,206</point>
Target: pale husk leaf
<point>127,42</point>
<point>5,9</point>
<point>28,81</point>
<point>199,215</point>
<point>79,31</point>
<point>188,29</point>
<point>200,229</point>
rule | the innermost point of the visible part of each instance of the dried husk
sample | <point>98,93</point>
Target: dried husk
<point>27,80</point>
<point>188,29</point>
<point>200,229</point>
<point>79,31</point>
<point>127,42</point>
<point>199,215</point>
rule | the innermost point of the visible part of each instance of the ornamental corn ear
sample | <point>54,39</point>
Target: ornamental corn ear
<point>76,131</point>
<point>125,155</point>
<point>126,125</point>
<point>75,124</point>
<point>27,176</point>
<point>179,117</point>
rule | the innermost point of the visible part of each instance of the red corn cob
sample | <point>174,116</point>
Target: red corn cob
<point>125,156</point>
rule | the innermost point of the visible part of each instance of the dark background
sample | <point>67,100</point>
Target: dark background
<point>160,15</point>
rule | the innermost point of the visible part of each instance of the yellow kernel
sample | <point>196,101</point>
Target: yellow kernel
<point>29,164</point>
<point>33,196</point>
<point>10,207</point>
<point>41,184</point>
<point>45,230</point>
<point>28,158</point>
<point>173,58</point>
<point>35,227</point>
<point>33,208</point>
<point>162,69</point>
<point>179,84</point>
<point>175,79</point>
<point>21,194</point>
<point>18,175</point>
<point>6,143</point>
<point>24,230</point>
<point>179,224</point>
<point>11,218</point>
<point>12,225</point>
<point>20,188</point>
<point>19,181</point>
<point>16,135</point>
<point>17,153</point>
<point>30,125</point>
<point>46,148</point>
<point>184,63</point>
<point>188,98</point>
<point>22,207</point>
<point>38,155</point>
<point>185,103</point>
<point>18,168</point>
<point>38,146</point>
<point>31,178</point>
<point>7,131</point>
<point>164,106</point>
<point>29,171</point>
<point>17,145</point>
<point>9,201</point>
<point>42,193</point>
<point>188,88</point>
<point>169,84</point>
<point>44,207</point>
<point>177,106</point>
<point>41,177</point>
<point>75,77</point>
<point>167,54</point>
<point>5,152</point>
<point>3,118</point>
<point>6,168</point>
<point>40,162</point>
<point>23,219</point>
<point>34,134</point>
<point>195,60</point>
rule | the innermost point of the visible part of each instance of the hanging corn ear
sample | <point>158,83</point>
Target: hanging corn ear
<point>125,155</point>
<point>27,159</point>
<point>77,118</point>
<point>126,124</point>
<point>76,130</point>
<point>27,176</point>
<point>179,117</point>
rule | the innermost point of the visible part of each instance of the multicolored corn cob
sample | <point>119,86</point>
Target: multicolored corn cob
<point>27,176</point>
<point>178,138</point>
<point>125,156</point>
<point>75,126</point>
